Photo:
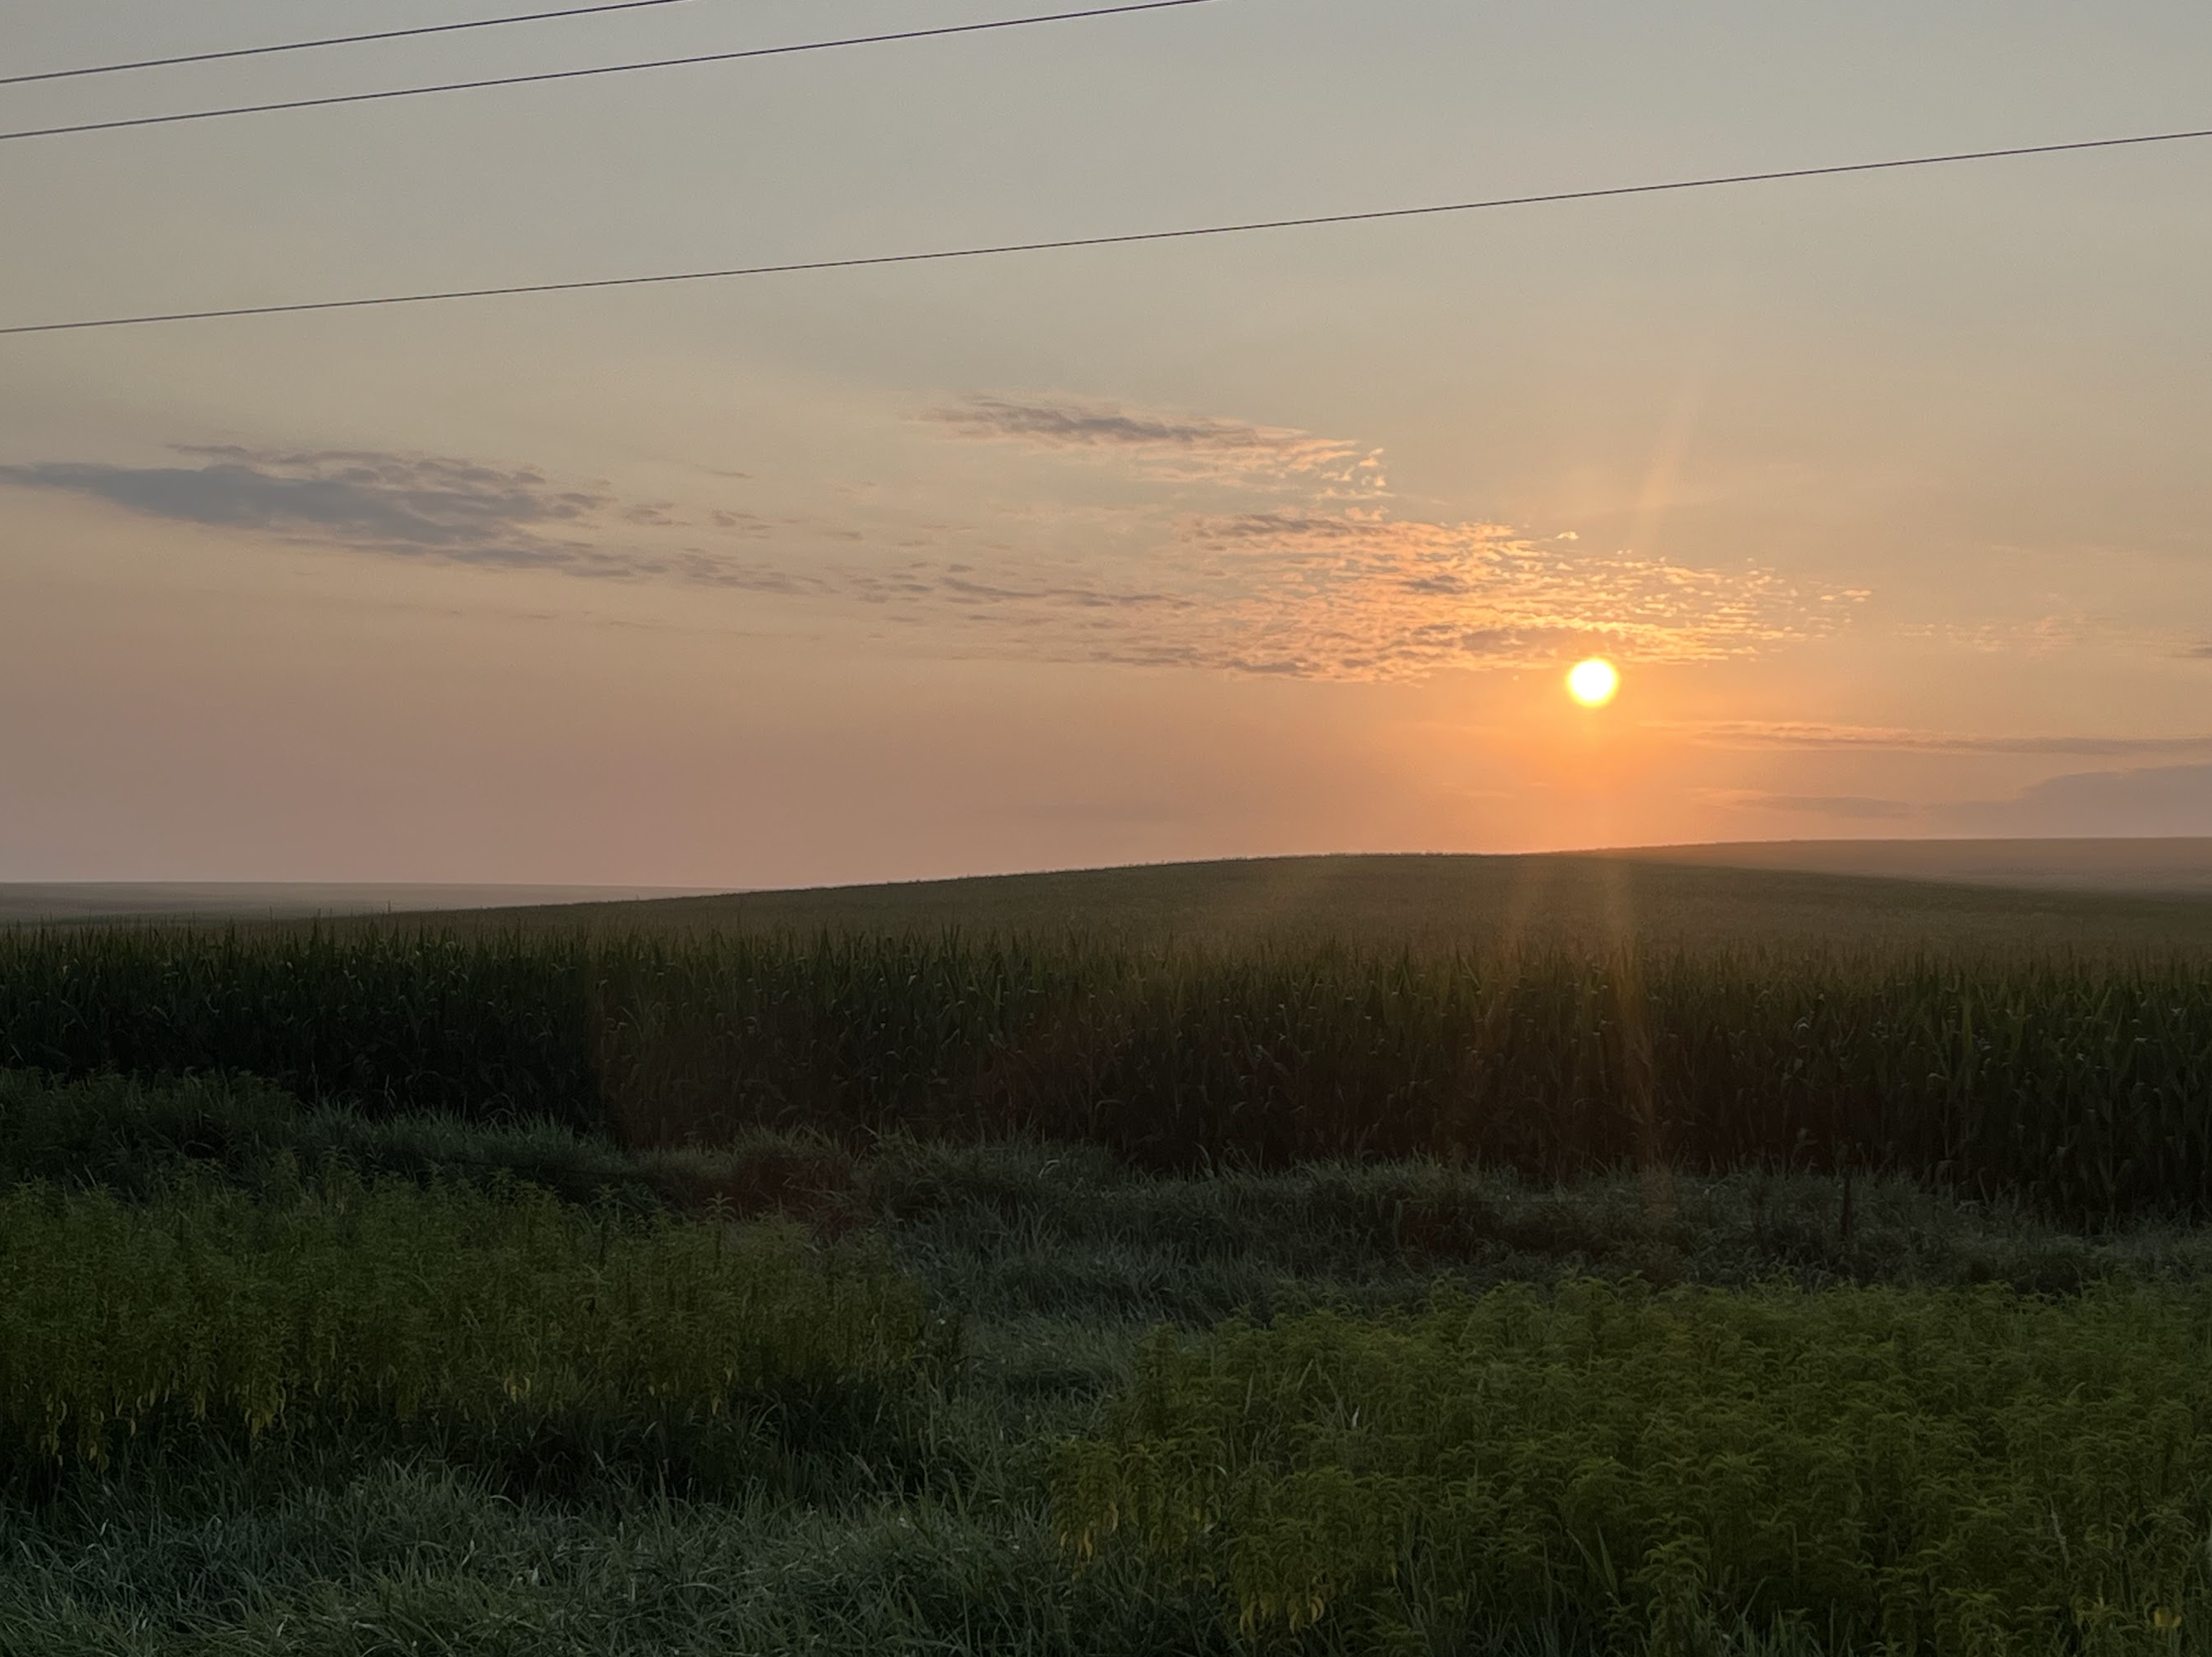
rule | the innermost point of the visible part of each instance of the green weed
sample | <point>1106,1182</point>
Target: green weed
<point>1919,1471</point>
<point>416,1312</point>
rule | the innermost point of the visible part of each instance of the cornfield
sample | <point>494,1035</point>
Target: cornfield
<point>2084,1086</point>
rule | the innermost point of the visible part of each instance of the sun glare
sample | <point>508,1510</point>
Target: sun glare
<point>1593,683</point>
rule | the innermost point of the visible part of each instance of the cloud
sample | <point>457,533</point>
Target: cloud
<point>1784,734</point>
<point>1859,807</point>
<point>1364,594</point>
<point>1188,447</point>
<point>1310,585</point>
<point>2049,635</point>
<point>959,586</point>
<point>418,505</point>
<point>1346,596</point>
<point>427,503</point>
<point>414,505</point>
<point>2149,800</point>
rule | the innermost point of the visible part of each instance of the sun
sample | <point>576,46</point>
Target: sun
<point>1593,683</point>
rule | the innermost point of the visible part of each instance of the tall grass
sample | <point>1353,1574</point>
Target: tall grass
<point>403,1311</point>
<point>129,1136</point>
<point>136,1136</point>
<point>1921,1472</point>
<point>2085,1086</point>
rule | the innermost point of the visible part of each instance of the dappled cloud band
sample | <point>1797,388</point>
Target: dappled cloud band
<point>1232,547</point>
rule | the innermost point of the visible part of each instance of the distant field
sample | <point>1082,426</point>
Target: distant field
<point>2102,896</point>
<point>99,901</point>
<point>1437,903</point>
<point>2164,866</point>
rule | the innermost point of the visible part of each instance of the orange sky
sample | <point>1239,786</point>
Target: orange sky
<point>1887,494</point>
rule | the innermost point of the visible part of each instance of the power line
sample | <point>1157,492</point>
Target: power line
<point>331,40</point>
<point>1124,239</point>
<point>598,69</point>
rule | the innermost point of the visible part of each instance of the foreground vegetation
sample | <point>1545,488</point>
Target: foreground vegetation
<point>398,1314</point>
<point>956,1405</point>
<point>1915,1470</point>
<point>365,1290</point>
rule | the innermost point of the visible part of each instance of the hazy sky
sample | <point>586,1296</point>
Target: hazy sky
<point>1890,494</point>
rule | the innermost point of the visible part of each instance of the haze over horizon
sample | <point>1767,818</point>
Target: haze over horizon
<point>1886,494</point>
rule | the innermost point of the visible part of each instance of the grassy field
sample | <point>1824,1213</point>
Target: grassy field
<point>107,902</point>
<point>949,1378</point>
<point>1448,903</point>
<point>1162,1261</point>
<point>2105,896</point>
<point>2171,866</point>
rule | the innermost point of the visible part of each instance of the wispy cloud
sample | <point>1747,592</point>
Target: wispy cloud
<point>1351,597</point>
<point>1304,583</point>
<point>1323,580</point>
<point>1366,594</point>
<point>2145,800</point>
<point>1188,448</point>
<point>1762,734</point>
<point>418,503</point>
<point>1854,807</point>
<point>2057,634</point>
<point>433,507</point>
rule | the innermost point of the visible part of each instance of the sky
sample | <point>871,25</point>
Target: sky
<point>1888,494</point>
